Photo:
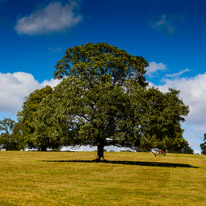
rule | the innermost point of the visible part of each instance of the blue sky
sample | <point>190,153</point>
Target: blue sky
<point>169,34</point>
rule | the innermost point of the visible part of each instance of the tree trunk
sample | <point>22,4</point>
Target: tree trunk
<point>100,152</point>
<point>43,148</point>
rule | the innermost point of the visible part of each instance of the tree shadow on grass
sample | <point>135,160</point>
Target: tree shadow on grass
<point>138,163</point>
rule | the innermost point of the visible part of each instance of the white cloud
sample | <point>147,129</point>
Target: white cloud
<point>178,73</point>
<point>15,87</point>
<point>193,94</point>
<point>52,82</point>
<point>55,17</point>
<point>154,67</point>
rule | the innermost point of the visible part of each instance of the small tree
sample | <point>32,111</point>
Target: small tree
<point>203,145</point>
<point>7,139</point>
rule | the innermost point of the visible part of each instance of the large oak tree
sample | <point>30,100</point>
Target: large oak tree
<point>103,100</point>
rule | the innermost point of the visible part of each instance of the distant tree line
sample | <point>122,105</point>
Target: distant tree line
<point>103,99</point>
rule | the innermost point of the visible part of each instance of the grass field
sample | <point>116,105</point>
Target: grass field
<point>127,178</point>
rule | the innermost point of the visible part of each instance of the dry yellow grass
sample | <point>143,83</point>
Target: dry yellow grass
<point>71,178</point>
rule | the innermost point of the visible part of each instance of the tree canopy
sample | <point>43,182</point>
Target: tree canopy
<point>24,128</point>
<point>161,122</point>
<point>7,140</point>
<point>101,63</point>
<point>103,100</point>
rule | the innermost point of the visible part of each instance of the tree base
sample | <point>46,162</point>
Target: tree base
<point>99,160</point>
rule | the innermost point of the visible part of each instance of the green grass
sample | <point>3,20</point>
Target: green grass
<point>71,178</point>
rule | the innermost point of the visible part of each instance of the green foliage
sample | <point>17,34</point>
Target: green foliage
<point>101,62</point>
<point>90,106</point>
<point>7,126</point>
<point>203,145</point>
<point>103,100</point>
<point>24,129</point>
<point>186,149</point>
<point>161,123</point>
<point>7,140</point>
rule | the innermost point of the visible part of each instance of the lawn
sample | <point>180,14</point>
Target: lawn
<point>127,178</point>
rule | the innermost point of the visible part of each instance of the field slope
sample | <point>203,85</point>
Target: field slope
<point>127,178</point>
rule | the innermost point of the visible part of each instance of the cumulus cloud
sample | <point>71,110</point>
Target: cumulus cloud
<point>52,82</point>
<point>15,87</point>
<point>154,67</point>
<point>55,17</point>
<point>192,92</point>
<point>194,134</point>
